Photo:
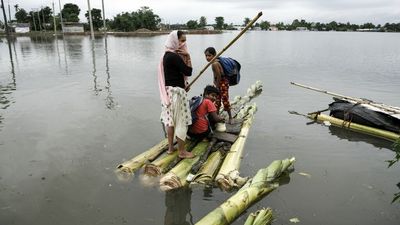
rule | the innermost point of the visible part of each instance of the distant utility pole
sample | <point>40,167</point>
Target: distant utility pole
<point>9,11</point>
<point>38,16</point>
<point>44,21</point>
<point>33,18</point>
<point>104,17</point>
<point>90,20</point>
<point>54,20</point>
<point>61,17</point>
<point>5,18</point>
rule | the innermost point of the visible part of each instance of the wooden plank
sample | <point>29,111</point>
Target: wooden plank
<point>227,137</point>
<point>235,127</point>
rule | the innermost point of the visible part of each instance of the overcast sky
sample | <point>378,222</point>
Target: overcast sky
<point>234,11</point>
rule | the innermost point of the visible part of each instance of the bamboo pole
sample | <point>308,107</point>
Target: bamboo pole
<point>252,191</point>
<point>391,136</point>
<point>224,49</point>
<point>389,108</point>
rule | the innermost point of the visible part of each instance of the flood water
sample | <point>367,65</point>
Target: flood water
<point>70,112</point>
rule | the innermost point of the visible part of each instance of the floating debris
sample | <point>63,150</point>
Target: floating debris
<point>294,220</point>
<point>305,174</point>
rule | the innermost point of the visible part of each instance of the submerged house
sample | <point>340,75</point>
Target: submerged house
<point>19,27</point>
<point>22,28</point>
<point>72,27</point>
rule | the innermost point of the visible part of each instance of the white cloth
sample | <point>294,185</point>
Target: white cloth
<point>177,114</point>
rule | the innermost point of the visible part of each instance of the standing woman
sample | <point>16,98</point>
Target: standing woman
<point>175,112</point>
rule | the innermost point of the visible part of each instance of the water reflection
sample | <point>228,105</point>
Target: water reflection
<point>96,91</point>
<point>109,99</point>
<point>65,55</point>
<point>110,103</point>
<point>178,207</point>
<point>45,42</point>
<point>15,51</point>
<point>357,137</point>
<point>11,62</point>
<point>6,90</point>
<point>74,46</point>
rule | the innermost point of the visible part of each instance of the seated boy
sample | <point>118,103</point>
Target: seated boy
<point>201,127</point>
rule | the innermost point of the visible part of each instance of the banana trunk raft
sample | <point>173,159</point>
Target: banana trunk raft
<point>265,181</point>
<point>217,158</point>
<point>359,115</point>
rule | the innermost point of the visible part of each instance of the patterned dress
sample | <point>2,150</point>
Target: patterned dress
<point>177,114</point>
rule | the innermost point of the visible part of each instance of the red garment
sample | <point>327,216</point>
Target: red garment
<point>223,95</point>
<point>201,124</point>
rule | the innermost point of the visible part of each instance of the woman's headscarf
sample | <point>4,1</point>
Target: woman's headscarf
<point>171,45</point>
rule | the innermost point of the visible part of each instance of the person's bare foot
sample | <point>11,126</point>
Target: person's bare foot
<point>171,151</point>
<point>186,155</point>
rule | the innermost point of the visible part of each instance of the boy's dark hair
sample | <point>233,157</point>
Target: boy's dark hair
<point>210,89</point>
<point>210,50</point>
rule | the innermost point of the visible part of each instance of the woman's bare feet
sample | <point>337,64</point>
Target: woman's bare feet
<point>186,155</point>
<point>171,151</point>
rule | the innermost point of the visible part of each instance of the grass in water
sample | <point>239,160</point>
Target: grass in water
<point>396,149</point>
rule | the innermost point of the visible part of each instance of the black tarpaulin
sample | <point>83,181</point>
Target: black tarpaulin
<point>357,113</point>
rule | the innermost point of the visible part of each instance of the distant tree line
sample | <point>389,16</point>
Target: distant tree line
<point>337,26</point>
<point>146,18</point>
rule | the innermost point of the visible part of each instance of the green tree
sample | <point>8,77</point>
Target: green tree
<point>219,22</point>
<point>21,16</point>
<point>392,27</point>
<point>280,26</point>
<point>264,25</point>
<point>70,12</point>
<point>46,13</point>
<point>331,26</point>
<point>296,23</point>
<point>33,19</point>
<point>123,22</point>
<point>192,24</point>
<point>146,18</point>
<point>96,18</point>
<point>368,26</point>
<point>202,22</point>
<point>246,21</point>
<point>143,18</point>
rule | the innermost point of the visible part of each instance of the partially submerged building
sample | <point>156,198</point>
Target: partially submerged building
<point>72,27</point>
